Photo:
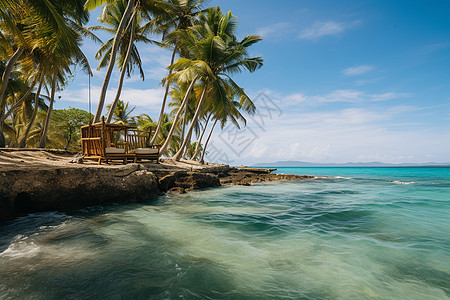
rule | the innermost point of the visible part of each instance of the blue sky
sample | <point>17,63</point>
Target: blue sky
<point>342,81</point>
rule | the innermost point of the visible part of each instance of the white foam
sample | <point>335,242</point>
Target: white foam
<point>20,249</point>
<point>400,182</point>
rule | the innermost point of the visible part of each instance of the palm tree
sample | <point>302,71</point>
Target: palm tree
<point>183,76</point>
<point>128,55</point>
<point>23,140</point>
<point>215,54</point>
<point>199,142</point>
<point>230,111</point>
<point>51,25</point>
<point>147,7</point>
<point>177,15</point>
<point>122,114</point>
<point>145,122</point>
<point>177,95</point>
<point>90,5</point>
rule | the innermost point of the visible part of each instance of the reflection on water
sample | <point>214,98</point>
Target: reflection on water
<point>324,239</point>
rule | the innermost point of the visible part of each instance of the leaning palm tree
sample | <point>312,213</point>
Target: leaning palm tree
<point>90,5</point>
<point>216,53</point>
<point>147,7</point>
<point>51,25</point>
<point>177,15</point>
<point>128,55</point>
<point>203,131</point>
<point>177,95</point>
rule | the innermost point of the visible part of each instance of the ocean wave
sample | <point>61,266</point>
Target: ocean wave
<point>341,177</point>
<point>332,177</point>
<point>402,182</point>
<point>19,247</point>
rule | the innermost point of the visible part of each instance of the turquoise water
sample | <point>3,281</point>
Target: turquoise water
<point>360,233</point>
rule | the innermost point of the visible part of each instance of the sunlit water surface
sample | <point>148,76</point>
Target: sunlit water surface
<point>361,233</point>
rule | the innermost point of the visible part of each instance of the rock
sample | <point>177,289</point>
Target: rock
<point>188,180</point>
<point>65,189</point>
<point>247,176</point>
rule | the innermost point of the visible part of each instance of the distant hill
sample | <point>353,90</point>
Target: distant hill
<point>303,164</point>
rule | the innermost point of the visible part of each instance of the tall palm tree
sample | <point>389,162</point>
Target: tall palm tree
<point>90,5</point>
<point>215,54</point>
<point>177,15</point>
<point>147,7</point>
<point>51,26</point>
<point>128,55</point>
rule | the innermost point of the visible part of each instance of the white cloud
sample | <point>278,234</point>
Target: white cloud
<point>277,29</point>
<point>319,29</point>
<point>350,96</point>
<point>329,134</point>
<point>358,70</point>
<point>146,100</point>
<point>295,98</point>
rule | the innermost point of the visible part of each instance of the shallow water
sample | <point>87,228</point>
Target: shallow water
<point>363,233</point>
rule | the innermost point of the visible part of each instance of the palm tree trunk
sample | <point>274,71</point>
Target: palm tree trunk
<point>5,79</point>
<point>175,120</point>
<point>183,129</point>
<point>112,60</point>
<point>180,152</point>
<point>197,147</point>
<point>23,140</point>
<point>124,68</point>
<point>49,114</point>
<point>207,141</point>
<point>163,105</point>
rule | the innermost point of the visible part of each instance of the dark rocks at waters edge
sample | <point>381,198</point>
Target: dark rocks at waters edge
<point>30,187</point>
<point>26,191</point>
<point>183,181</point>
<point>247,176</point>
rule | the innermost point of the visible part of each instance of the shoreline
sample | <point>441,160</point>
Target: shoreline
<point>44,180</point>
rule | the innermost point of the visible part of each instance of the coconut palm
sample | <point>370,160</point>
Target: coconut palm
<point>215,54</point>
<point>177,95</point>
<point>122,113</point>
<point>147,7</point>
<point>51,25</point>
<point>177,15</point>
<point>128,55</point>
<point>90,5</point>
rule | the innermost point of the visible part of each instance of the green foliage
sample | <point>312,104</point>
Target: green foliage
<point>122,114</point>
<point>190,151</point>
<point>66,129</point>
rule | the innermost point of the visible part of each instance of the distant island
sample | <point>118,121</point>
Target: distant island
<point>302,164</point>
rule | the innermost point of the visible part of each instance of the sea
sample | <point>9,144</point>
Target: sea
<point>349,233</point>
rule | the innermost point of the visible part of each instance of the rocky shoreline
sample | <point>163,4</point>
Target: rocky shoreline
<point>36,188</point>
